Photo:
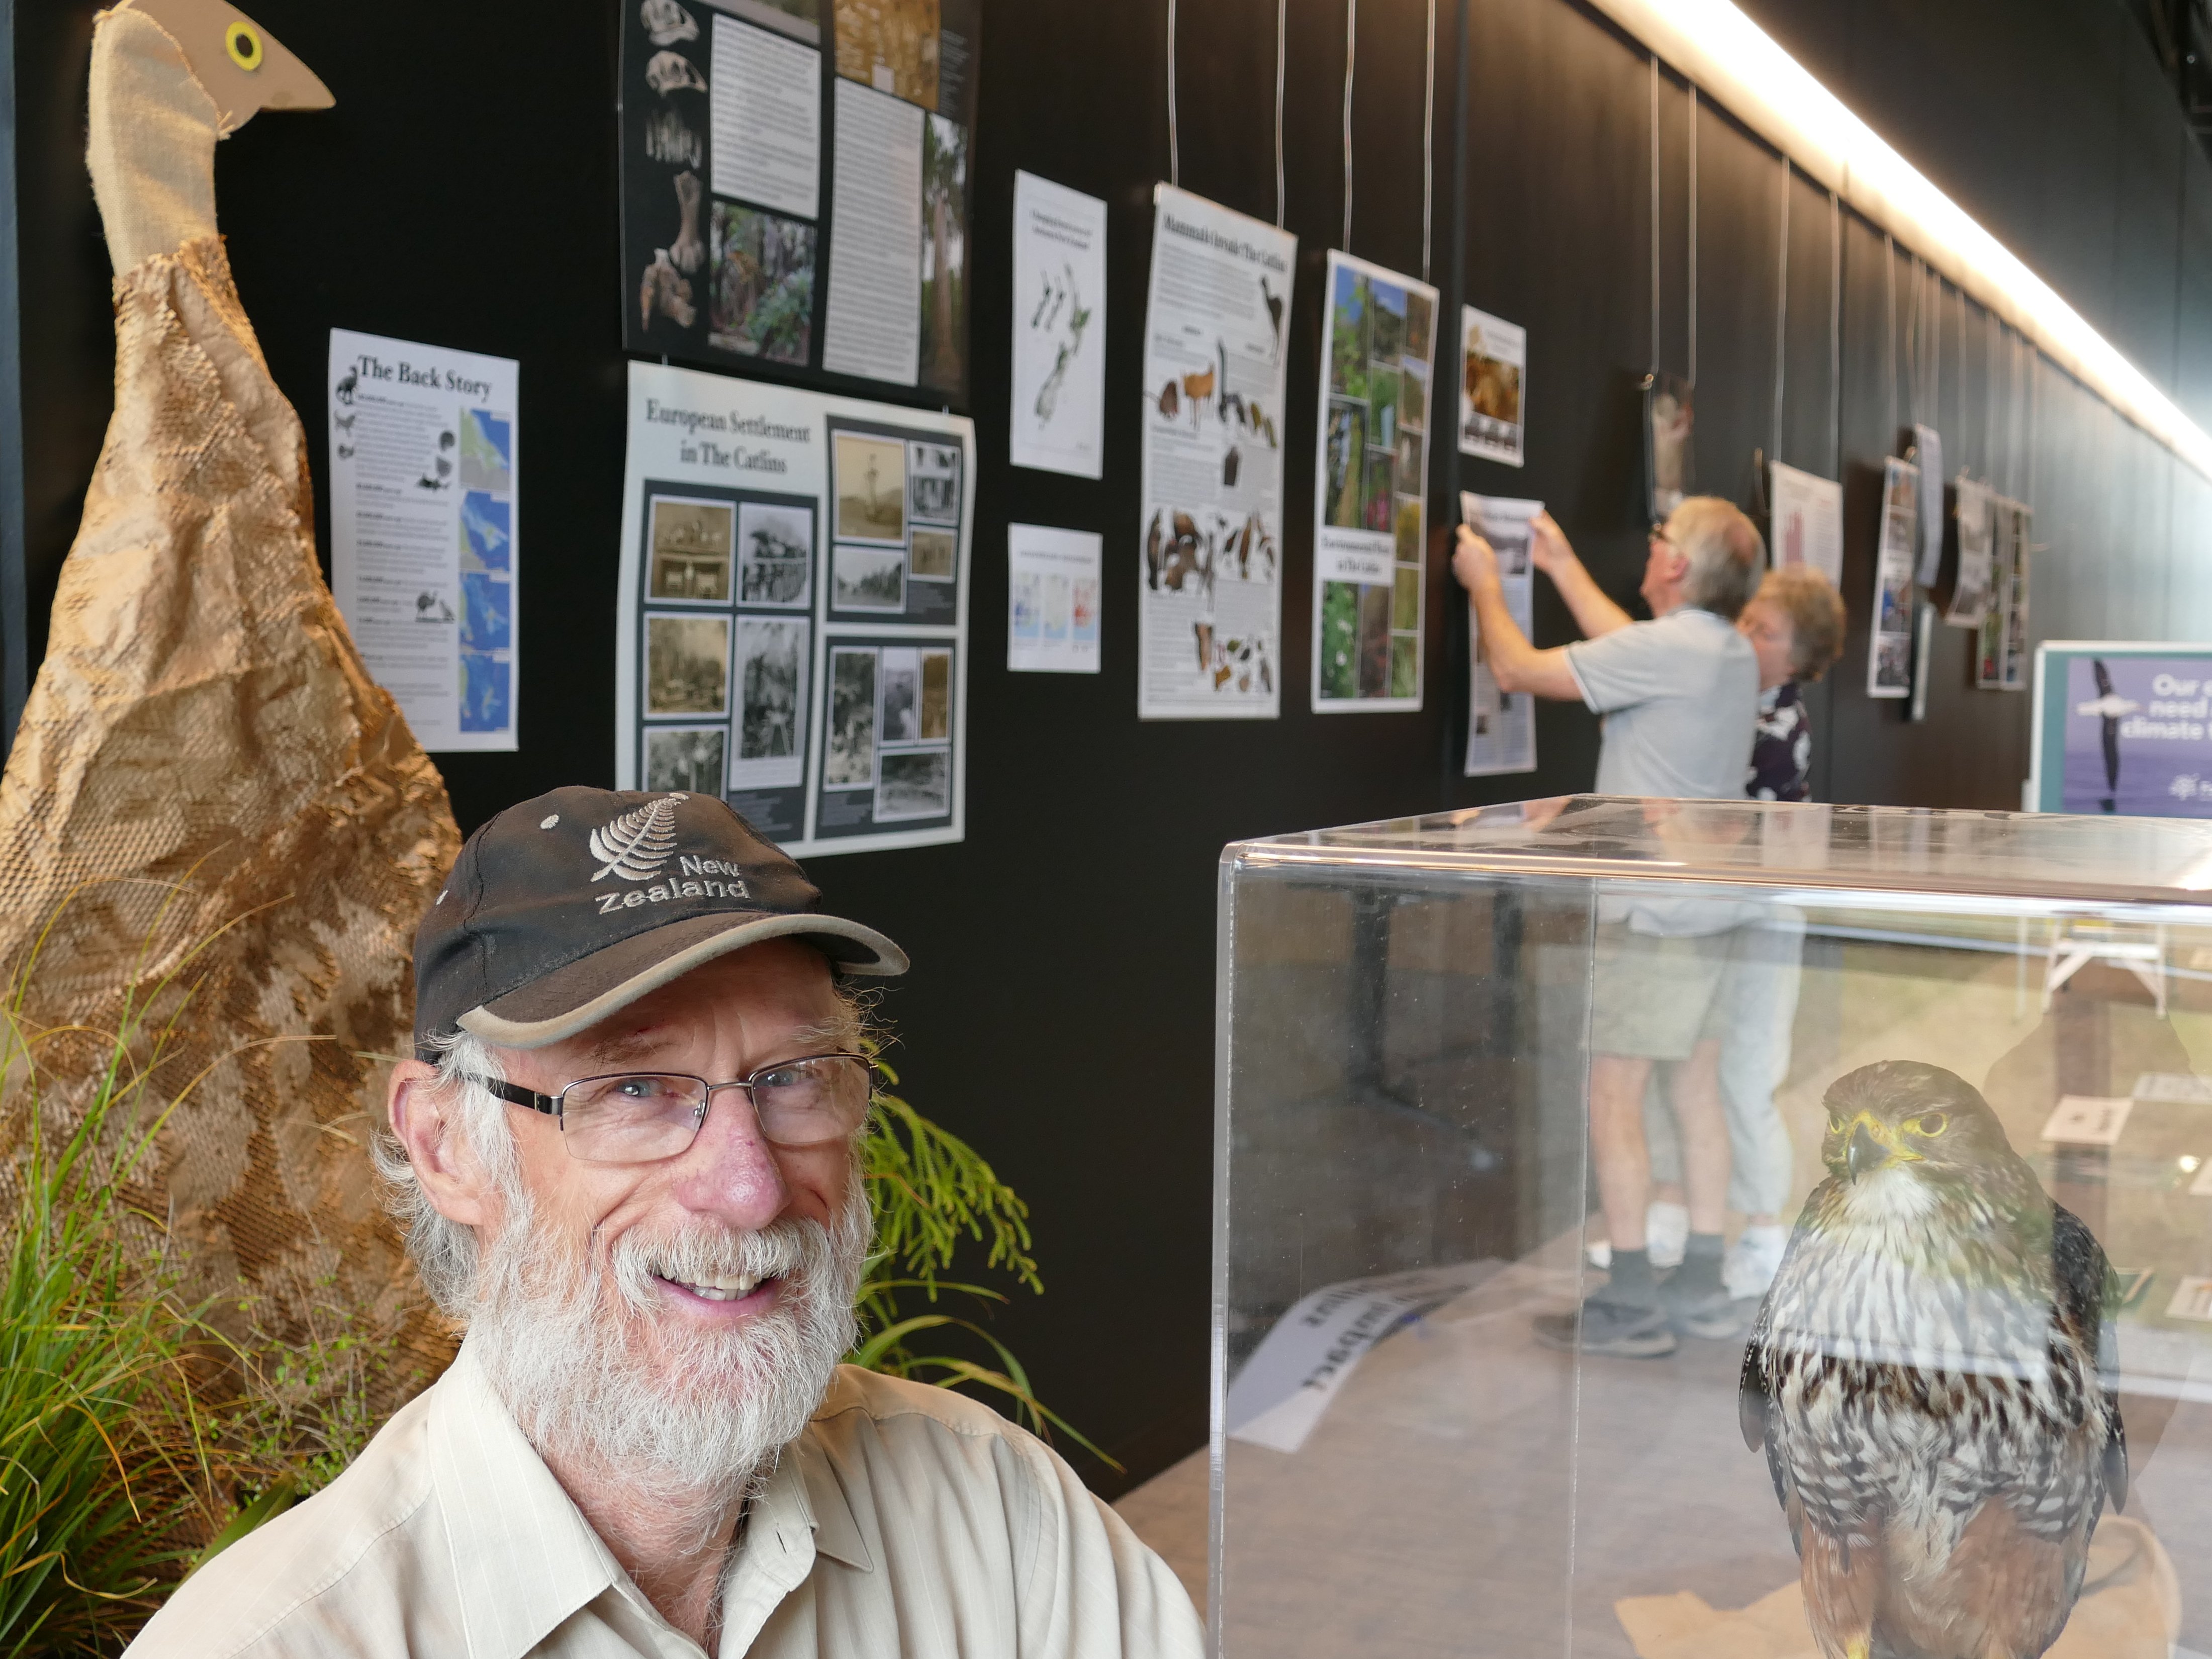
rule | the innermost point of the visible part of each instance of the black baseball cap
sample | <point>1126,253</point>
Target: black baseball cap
<point>564,910</point>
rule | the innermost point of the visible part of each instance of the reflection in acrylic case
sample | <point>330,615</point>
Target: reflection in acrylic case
<point>1415,1435</point>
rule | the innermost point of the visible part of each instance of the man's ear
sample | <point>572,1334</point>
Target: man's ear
<point>426,1119</point>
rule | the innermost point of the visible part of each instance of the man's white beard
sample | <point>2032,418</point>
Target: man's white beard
<point>594,1365</point>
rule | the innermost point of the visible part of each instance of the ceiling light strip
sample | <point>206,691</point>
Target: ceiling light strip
<point>1731,58</point>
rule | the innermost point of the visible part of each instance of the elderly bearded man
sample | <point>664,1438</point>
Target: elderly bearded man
<point>626,1155</point>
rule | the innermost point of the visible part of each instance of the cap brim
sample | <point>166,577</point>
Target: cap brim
<point>579,996</point>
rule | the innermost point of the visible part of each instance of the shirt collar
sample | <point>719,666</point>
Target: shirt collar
<point>525,1558</point>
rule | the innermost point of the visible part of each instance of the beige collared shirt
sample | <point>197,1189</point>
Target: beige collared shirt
<point>906,1520</point>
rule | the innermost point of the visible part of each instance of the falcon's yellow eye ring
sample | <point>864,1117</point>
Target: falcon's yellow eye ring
<point>243,41</point>
<point>1928,1125</point>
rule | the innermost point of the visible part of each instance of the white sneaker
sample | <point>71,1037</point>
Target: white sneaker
<point>1665,1235</point>
<point>1754,1260</point>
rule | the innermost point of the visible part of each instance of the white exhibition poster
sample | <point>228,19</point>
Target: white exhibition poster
<point>423,531</point>
<point>1808,522</point>
<point>871,322</point>
<point>1889,651</point>
<point>1059,328</point>
<point>1501,726</point>
<point>1975,585</point>
<point>1928,456</point>
<point>1053,588</point>
<point>1371,487</point>
<point>1209,591</point>
<point>793,633</point>
<point>765,112</point>
<point>1493,373</point>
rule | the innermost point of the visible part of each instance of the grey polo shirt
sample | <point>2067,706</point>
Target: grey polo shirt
<point>1681,701</point>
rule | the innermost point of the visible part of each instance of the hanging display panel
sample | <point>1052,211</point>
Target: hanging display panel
<point>1378,344</point>
<point>1209,591</point>
<point>794,186</point>
<point>1889,648</point>
<point>795,609</point>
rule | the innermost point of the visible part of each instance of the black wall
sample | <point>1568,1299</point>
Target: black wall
<point>1061,1014</point>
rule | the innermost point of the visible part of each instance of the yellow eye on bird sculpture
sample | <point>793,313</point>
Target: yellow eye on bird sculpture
<point>244,68</point>
<point>1928,1125</point>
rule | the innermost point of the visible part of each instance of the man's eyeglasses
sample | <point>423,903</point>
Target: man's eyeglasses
<point>1660,533</point>
<point>641,1117</point>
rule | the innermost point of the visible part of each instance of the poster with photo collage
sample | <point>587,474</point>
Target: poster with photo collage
<point>795,177</point>
<point>795,583</point>
<point>1370,484</point>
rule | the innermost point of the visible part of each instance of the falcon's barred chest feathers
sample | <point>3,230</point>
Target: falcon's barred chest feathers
<point>1932,1375</point>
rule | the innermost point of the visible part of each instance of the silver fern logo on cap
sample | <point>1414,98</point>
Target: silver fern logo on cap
<point>637,844</point>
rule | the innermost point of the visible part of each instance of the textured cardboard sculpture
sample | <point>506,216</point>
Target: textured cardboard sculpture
<point>202,718</point>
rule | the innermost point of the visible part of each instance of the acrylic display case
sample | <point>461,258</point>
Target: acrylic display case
<point>1966,1060</point>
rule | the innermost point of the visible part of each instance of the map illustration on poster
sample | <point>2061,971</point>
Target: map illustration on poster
<point>795,178</point>
<point>795,609</point>
<point>1371,488</point>
<point>425,537</point>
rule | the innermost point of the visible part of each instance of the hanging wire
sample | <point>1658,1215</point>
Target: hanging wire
<point>1836,332</point>
<point>1281,11</point>
<point>1781,311</point>
<point>1693,233</point>
<point>1428,142</point>
<point>1351,44</point>
<point>1889,293</point>
<point>1935,353</point>
<point>1175,153</point>
<point>1654,213</point>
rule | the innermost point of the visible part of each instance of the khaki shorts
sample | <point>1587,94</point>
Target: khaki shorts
<point>1652,997</point>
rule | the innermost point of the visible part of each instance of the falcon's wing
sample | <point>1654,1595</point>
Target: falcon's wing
<point>2086,1284</point>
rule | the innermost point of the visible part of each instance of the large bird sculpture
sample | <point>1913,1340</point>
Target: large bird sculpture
<point>206,782</point>
<point>1932,1378</point>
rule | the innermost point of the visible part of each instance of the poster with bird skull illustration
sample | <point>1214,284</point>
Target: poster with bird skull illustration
<point>1378,343</point>
<point>1209,588</point>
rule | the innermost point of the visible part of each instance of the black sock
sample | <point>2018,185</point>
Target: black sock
<point>1701,1263</point>
<point>1630,1279</point>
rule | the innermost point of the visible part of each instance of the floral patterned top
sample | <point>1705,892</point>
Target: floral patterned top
<point>1781,752</point>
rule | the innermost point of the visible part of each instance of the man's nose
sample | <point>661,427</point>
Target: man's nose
<point>731,1173</point>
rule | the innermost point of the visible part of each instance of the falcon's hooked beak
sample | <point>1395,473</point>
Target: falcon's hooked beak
<point>1872,1146</point>
<point>1862,1153</point>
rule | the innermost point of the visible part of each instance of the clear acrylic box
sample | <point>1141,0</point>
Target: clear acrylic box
<point>1412,1015</point>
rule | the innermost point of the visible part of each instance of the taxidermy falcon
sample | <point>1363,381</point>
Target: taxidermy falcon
<point>1932,1377</point>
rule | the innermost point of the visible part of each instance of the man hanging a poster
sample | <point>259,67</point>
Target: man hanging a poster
<point>1501,725</point>
<point>1493,373</point>
<point>1889,654</point>
<point>1369,489</point>
<point>1209,584</point>
<point>793,627</point>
